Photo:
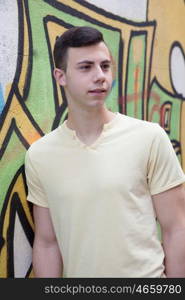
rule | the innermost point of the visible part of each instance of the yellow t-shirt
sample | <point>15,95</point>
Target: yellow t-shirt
<point>99,196</point>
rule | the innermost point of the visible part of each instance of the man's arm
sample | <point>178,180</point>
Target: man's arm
<point>170,212</point>
<point>47,260</point>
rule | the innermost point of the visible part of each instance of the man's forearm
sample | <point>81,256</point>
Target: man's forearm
<point>47,261</point>
<point>174,248</point>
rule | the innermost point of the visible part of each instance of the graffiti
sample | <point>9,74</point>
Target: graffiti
<point>15,208</point>
<point>145,87</point>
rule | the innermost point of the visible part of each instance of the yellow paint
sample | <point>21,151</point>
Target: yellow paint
<point>137,50</point>
<point>55,30</point>
<point>7,89</point>
<point>31,274</point>
<point>17,188</point>
<point>23,123</point>
<point>25,58</point>
<point>170,17</point>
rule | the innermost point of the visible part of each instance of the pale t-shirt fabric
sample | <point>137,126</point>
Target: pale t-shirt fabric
<point>99,196</point>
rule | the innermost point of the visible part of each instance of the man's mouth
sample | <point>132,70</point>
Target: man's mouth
<point>98,91</point>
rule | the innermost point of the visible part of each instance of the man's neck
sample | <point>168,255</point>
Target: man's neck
<point>89,124</point>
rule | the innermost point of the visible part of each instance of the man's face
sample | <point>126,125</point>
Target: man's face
<point>88,77</point>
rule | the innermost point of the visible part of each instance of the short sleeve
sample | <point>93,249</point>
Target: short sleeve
<point>164,169</point>
<point>36,193</point>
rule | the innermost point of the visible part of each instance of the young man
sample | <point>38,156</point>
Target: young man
<point>100,180</point>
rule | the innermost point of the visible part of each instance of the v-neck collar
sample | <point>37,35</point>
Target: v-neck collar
<point>106,127</point>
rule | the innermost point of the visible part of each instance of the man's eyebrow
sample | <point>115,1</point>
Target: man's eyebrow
<point>106,61</point>
<point>85,62</point>
<point>90,62</point>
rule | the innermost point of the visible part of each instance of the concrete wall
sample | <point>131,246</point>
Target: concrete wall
<point>147,41</point>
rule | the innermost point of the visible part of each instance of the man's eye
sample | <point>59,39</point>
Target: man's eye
<point>105,66</point>
<point>85,67</point>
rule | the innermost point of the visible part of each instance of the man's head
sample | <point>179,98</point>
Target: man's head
<point>83,67</point>
<point>74,37</point>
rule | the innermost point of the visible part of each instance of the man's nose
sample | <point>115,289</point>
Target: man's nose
<point>99,74</point>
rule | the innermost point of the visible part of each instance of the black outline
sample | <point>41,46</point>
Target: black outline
<point>20,48</point>
<point>155,81</point>
<point>20,52</point>
<point>149,70</point>
<point>176,145</point>
<point>162,107</point>
<point>147,10</point>
<point>108,14</point>
<point>30,55</point>
<point>13,126</point>
<point>144,76</point>
<point>17,207</point>
<point>29,271</point>
<point>120,76</point>
<point>77,14</point>
<point>59,109</point>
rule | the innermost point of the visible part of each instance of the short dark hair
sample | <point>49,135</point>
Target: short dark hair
<point>74,37</point>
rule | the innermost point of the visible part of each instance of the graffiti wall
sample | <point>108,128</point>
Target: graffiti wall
<point>147,41</point>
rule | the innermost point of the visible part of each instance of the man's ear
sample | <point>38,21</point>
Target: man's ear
<point>60,76</point>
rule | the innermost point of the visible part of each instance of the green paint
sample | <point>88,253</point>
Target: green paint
<point>11,161</point>
<point>131,73</point>
<point>156,91</point>
<point>175,112</point>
